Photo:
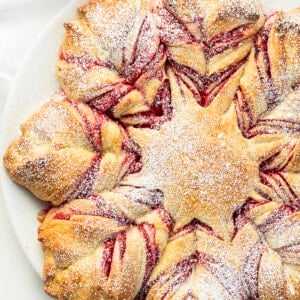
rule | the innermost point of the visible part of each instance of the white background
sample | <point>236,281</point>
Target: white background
<point>20,23</point>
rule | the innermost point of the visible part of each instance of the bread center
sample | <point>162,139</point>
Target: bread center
<point>203,172</point>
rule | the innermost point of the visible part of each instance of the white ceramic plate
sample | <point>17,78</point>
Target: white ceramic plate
<point>34,84</point>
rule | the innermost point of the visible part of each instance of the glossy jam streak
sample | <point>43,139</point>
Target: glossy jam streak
<point>107,256</point>
<point>62,216</point>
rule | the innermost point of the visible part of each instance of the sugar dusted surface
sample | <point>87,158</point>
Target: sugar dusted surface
<point>201,171</point>
<point>202,164</point>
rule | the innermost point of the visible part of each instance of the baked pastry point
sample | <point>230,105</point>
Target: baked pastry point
<point>171,157</point>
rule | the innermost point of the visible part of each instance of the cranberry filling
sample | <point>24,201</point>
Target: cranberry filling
<point>277,182</point>
<point>157,59</point>
<point>134,156</point>
<point>171,29</point>
<point>151,198</point>
<point>273,127</point>
<point>220,48</point>
<point>66,215</point>
<point>62,216</point>
<point>229,36</point>
<point>84,62</point>
<point>102,210</point>
<point>166,218</point>
<point>161,109</point>
<point>195,224</point>
<point>148,232</point>
<point>107,256</point>
<point>296,86</point>
<point>279,214</point>
<point>240,218</point>
<point>132,73</point>
<point>110,98</point>
<point>196,79</point>
<point>242,111</point>
<point>210,90</point>
<point>226,40</point>
<point>228,276</point>
<point>215,82</point>
<point>262,46</point>
<point>271,165</point>
<point>205,89</point>
<point>121,240</point>
<point>91,131</point>
<point>286,252</point>
<point>185,269</point>
<point>251,268</point>
<point>85,184</point>
<point>263,61</point>
<point>134,162</point>
<point>142,54</point>
<point>109,212</point>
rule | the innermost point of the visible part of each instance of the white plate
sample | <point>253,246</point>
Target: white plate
<point>34,84</point>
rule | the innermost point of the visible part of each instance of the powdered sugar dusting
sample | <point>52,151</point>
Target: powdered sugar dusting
<point>192,164</point>
<point>200,165</point>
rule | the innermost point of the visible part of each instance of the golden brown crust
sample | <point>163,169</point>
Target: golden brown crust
<point>203,203</point>
<point>106,252</point>
<point>61,132</point>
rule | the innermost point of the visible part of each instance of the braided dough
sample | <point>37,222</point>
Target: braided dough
<point>171,156</point>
